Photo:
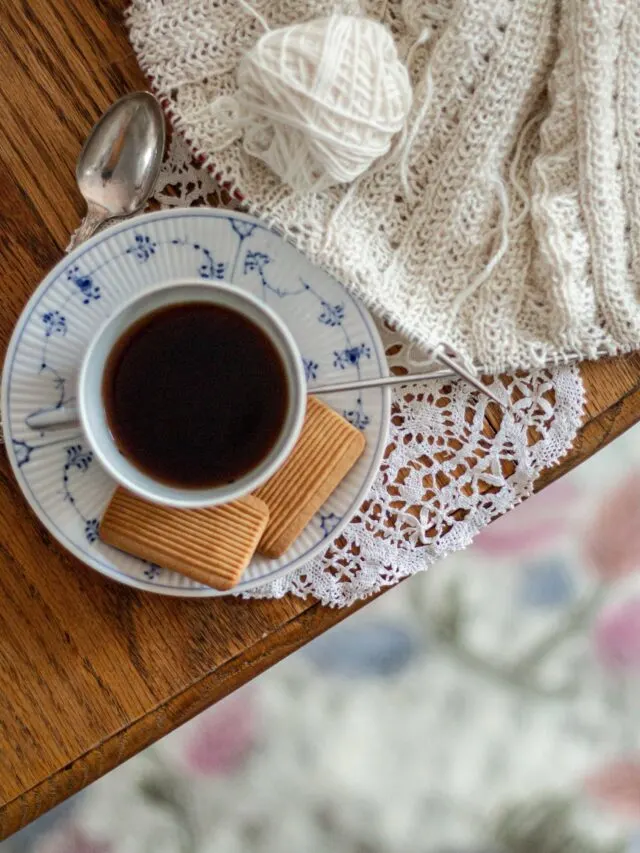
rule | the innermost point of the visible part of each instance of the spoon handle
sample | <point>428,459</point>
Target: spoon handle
<point>93,219</point>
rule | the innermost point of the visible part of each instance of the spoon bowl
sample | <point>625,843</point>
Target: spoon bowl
<point>119,163</point>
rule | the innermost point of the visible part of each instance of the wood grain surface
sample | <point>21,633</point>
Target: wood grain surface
<point>91,672</point>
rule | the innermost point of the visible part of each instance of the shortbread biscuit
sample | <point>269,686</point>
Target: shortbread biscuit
<point>213,545</point>
<point>327,449</point>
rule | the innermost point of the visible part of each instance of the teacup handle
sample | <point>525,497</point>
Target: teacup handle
<point>64,416</point>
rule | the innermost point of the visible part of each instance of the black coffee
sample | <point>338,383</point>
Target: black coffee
<point>195,395</point>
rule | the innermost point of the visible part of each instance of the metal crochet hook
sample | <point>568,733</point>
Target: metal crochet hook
<point>67,416</point>
<point>457,365</point>
<point>406,379</point>
<point>461,370</point>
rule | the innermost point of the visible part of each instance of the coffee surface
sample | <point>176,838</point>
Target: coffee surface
<point>195,395</point>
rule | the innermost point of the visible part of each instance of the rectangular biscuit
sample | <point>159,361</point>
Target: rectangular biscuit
<point>213,545</point>
<point>326,450</point>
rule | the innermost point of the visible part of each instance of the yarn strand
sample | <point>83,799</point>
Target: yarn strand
<point>514,167</point>
<point>503,229</point>
<point>409,194</point>
<point>254,13</point>
<point>438,15</point>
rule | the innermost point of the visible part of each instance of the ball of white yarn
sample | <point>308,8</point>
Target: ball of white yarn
<point>321,101</point>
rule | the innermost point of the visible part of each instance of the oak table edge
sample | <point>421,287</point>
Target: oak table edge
<point>175,710</point>
<point>596,432</point>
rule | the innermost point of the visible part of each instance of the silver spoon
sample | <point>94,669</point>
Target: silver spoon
<point>119,163</point>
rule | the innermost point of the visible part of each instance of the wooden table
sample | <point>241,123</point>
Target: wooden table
<point>91,672</point>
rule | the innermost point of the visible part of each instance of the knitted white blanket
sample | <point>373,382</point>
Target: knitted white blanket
<point>519,241</point>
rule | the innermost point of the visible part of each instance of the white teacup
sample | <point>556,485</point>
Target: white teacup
<point>92,409</point>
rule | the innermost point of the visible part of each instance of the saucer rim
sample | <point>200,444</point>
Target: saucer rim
<point>68,544</point>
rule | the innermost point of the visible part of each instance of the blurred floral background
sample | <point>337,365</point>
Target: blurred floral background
<point>490,705</point>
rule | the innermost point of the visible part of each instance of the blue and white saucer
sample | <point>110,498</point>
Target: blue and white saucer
<point>65,485</point>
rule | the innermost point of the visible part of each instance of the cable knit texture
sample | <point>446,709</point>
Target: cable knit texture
<point>509,224</point>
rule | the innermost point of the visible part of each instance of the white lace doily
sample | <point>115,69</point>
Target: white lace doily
<point>446,475</point>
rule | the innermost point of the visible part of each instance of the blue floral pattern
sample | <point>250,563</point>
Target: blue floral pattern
<point>310,369</point>
<point>350,356</point>
<point>332,315</point>
<point>209,268</point>
<point>252,259</point>
<point>22,451</point>
<point>357,416</point>
<point>329,522</point>
<point>90,292</point>
<point>143,248</point>
<point>92,529</point>
<point>54,323</point>
<point>78,457</point>
<point>152,571</point>
<point>242,228</point>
